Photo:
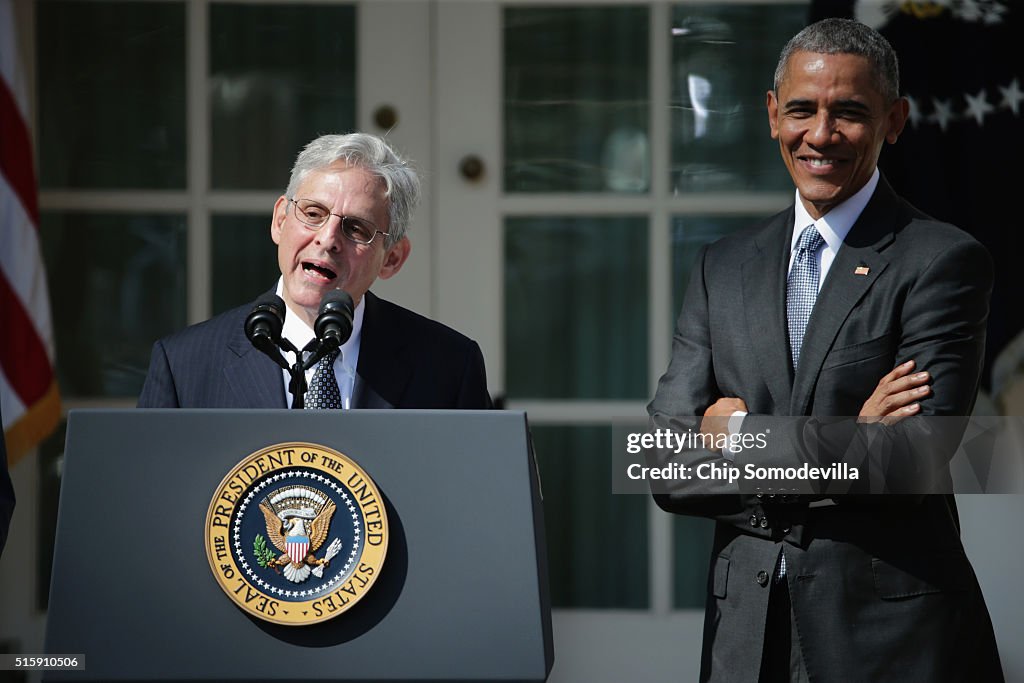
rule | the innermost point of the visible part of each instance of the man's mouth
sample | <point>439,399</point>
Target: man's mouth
<point>318,271</point>
<point>825,162</point>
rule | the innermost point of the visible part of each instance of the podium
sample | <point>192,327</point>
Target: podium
<point>461,596</point>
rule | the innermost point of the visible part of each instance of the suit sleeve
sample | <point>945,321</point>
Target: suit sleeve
<point>473,394</point>
<point>159,390</point>
<point>944,321</point>
<point>685,391</point>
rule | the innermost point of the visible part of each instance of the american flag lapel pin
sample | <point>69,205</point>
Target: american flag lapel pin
<point>861,270</point>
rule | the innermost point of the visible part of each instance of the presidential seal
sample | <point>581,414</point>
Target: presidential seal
<point>296,534</point>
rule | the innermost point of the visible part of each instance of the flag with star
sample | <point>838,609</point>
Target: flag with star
<point>961,71</point>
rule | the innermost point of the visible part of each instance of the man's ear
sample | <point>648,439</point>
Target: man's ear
<point>773,114</point>
<point>897,119</point>
<point>277,220</point>
<point>395,258</point>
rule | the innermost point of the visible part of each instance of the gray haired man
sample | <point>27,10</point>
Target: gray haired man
<point>341,224</point>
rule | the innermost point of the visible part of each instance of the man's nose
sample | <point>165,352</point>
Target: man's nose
<point>822,131</point>
<point>330,236</point>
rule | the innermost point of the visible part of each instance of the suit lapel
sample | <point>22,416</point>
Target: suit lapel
<point>254,379</point>
<point>764,305</point>
<point>855,269</point>
<point>383,371</point>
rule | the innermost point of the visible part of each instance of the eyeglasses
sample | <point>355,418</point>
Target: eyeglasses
<point>315,216</point>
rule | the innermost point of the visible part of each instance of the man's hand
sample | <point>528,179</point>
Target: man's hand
<point>896,396</point>
<point>716,418</point>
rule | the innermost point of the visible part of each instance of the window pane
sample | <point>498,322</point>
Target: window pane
<point>576,307</point>
<point>279,76</point>
<point>111,94</point>
<point>692,538</point>
<point>597,541</point>
<point>689,234</point>
<point>244,260</point>
<point>723,62</point>
<point>117,284</point>
<point>576,99</point>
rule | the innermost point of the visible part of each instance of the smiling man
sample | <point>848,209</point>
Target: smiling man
<point>801,316</point>
<point>341,224</point>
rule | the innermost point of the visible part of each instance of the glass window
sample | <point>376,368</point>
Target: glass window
<point>692,537</point>
<point>576,307</point>
<point>279,76</point>
<point>689,234</point>
<point>597,541</point>
<point>244,260</point>
<point>111,78</point>
<point>576,99</point>
<point>117,284</point>
<point>723,62</point>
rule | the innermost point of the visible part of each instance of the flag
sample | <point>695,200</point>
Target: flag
<point>29,400</point>
<point>962,71</point>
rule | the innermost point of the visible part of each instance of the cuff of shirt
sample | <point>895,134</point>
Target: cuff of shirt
<point>731,449</point>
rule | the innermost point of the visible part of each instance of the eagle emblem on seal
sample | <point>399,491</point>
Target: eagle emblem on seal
<point>298,522</point>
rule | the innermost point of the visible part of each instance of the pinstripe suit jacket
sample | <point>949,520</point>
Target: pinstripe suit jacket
<point>405,361</point>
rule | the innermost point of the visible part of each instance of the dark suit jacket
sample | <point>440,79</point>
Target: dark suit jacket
<point>6,493</point>
<point>880,585</point>
<point>405,361</point>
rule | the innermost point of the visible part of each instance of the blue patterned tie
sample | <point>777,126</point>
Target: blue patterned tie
<point>801,293</point>
<point>802,288</point>
<point>323,391</point>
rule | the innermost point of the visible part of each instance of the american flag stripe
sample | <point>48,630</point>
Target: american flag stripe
<point>29,398</point>
<point>298,551</point>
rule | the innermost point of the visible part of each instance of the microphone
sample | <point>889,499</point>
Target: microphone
<point>263,326</point>
<point>333,325</point>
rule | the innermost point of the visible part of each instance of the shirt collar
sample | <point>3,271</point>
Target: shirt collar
<point>835,225</point>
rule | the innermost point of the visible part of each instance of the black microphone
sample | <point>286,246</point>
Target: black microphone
<point>333,325</point>
<point>263,326</point>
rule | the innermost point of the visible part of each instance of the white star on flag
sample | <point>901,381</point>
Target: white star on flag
<point>1012,97</point>
<point>943,113</point>
<point>978,106</point>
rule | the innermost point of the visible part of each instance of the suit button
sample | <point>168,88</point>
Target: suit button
<point>753,520</point>
<point>785,529</point>
<point>764,522</point>
<point>762,578</point>
<point>759,496</point>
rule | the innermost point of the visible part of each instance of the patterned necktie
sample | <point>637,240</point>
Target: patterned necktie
<point>801,293</point>
<point>323,391</point>
<point>802,288</point>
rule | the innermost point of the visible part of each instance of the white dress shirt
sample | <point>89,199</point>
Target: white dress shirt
<point>833,227</point>
<point>299,333</point>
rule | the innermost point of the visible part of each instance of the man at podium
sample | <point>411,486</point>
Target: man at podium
<point>340,225</point>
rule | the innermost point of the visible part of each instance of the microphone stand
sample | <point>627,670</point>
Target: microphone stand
<point>297,384</point>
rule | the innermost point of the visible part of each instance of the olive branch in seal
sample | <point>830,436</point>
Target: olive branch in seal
<point>263,554</point>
